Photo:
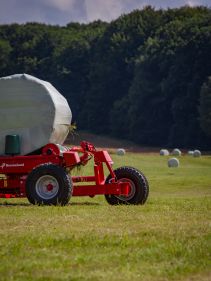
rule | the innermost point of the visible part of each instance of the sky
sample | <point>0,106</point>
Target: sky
<point>61,12</point>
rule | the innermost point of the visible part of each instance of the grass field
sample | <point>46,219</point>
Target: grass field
<point>168,238</point>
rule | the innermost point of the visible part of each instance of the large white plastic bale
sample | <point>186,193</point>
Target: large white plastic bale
<point>173,162</point>
<point>164,152</point>
<point>176,152</point>
<point>34,110</point>
<point>197,153</point>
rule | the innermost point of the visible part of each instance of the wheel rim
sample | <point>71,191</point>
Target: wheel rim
<point>132,190</point>
<point>47,187</point>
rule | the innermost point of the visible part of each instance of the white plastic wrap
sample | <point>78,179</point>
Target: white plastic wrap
<point>33,109</point>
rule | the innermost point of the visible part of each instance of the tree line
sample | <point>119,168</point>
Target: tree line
<point>144,77</point>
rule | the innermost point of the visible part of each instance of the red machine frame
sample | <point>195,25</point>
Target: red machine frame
<point>14,170</point>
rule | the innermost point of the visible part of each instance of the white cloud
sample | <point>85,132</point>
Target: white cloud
<point>192,3</point>
<point>101,9</point>
<point>62,5</point>
<point>109,9</point>
<point>64,11</point>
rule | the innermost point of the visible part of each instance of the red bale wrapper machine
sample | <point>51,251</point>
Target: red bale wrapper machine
<point>44,178</point>
<point>43,175</point>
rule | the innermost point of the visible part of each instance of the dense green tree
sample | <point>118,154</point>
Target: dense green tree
<point>138,77</point>
<point>71,71</point>
<point>5,51</point>
<point>205,107</point>
<point>112,65</point>
<point>169,74</point>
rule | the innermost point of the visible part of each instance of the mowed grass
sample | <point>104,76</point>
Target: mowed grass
<point>168,238</point>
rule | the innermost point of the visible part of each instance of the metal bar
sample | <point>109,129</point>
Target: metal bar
<point>99,174</point>
<point>112,188</point>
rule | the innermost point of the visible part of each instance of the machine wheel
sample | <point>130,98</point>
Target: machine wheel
<point>138,184</point>
<point>48,184</point>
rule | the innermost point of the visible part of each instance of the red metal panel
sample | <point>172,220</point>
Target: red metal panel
<point>102,156</point>
<point>71,158</point>
<point>24,164</point>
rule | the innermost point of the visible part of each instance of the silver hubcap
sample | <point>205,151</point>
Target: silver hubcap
<point>47,187</point>
<point>132,190</point>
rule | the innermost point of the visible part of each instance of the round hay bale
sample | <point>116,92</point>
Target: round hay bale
<point>197,153</point>
<point>164,152</point>
<point>176,152</point>
<point>173,163</point>
<point>34,110</point>
<point>190,152</point>
<point>120,151</point>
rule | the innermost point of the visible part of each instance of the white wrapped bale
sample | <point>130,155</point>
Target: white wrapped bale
<point>190,152</point>
<point>197,153</point>
<point>176,152</point>
<point>173,163</point>
<point>34,110</point>
<point>164,152</point>
<point>120,151</point>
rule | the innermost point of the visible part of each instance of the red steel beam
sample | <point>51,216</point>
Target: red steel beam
<point>122,188</point>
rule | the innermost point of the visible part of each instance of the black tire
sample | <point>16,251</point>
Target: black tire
<point>48,184</point>
<point>139,187</point>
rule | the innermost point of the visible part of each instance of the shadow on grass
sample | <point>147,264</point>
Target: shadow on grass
<point>10,204</point>
<point>83,204</point>
<point>22,204</point>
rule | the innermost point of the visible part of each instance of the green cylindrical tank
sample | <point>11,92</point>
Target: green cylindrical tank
<point>12,145</point>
